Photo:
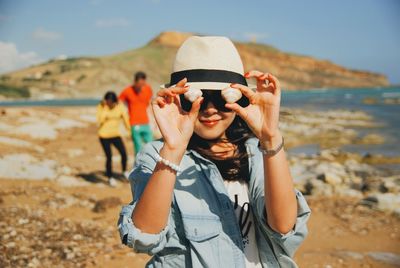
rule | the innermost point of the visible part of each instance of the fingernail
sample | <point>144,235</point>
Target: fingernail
<point>246,74</point>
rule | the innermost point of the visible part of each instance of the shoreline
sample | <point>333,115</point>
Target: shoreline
<point>5,100</point>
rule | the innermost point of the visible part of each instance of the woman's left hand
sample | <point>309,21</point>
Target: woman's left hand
<point>262,114</point>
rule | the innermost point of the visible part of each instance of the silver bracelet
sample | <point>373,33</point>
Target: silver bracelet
<point>271,152</point>
<point>168,163</point>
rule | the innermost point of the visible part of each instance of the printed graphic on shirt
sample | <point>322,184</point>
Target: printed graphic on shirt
<point>238,194</point>
<point>244,219</point>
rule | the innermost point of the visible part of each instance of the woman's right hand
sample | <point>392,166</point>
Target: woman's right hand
<point>175,124</point>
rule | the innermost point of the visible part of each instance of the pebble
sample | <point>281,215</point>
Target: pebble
<point>385,257</point>
<point>23,221</point>
<point>34,263</point>
<point>77,237</point>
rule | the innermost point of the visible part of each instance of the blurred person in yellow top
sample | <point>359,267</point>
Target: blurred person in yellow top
<point>110,114</point>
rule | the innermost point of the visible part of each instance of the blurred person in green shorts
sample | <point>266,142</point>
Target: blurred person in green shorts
<point>137,97</point>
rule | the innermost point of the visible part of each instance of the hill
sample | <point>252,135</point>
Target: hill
<point>92,76</point>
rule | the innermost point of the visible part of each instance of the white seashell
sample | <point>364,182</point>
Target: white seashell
<point>192,94</point>
<point>231,95</point>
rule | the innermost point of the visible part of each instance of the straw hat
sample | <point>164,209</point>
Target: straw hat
<point>208,62</point>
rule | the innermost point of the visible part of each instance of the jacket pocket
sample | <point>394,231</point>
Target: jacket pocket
<point>203,233</point>
<point>199,228</point>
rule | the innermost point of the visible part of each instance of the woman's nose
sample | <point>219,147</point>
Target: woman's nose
<point>210,109</point>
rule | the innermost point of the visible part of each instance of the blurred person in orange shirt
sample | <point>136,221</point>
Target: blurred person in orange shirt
<point>137,97</point>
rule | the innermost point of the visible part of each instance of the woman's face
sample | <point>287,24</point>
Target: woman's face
<point>110,103</point>
<point>211,123</point>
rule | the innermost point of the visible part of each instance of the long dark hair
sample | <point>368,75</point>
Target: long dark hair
<point>231,168</point>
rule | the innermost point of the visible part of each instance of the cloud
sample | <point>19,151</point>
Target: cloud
<point>46,36</point>
<point>112,23</point>
<point>12,59</point>
<point>254,36</point>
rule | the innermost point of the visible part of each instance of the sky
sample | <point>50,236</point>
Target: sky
<point>358,34</point>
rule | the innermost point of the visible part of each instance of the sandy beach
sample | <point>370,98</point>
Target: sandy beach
<point>56,208</point>
<point>317,82</point>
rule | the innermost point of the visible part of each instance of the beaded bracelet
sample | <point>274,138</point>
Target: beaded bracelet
<point>166,162</point>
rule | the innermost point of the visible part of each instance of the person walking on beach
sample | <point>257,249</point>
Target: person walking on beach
<point>109,116</point>
<point>137,97</point>
<point>216,191</point>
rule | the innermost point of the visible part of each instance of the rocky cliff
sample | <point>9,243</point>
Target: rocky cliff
<point>92,76</point>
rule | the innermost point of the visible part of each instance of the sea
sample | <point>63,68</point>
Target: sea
<point>373,101</point>
<point>381,103</point>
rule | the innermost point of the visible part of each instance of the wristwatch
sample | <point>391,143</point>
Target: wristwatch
<point>271,152</point>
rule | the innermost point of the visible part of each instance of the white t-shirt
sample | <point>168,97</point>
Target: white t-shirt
<point>239,194</point>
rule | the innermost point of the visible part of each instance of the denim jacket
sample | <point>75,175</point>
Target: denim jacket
<point>202,229</point>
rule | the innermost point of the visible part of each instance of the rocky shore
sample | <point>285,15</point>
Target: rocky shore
<point>328,129</point>
<point>336,173</point>
<point>56,208</point>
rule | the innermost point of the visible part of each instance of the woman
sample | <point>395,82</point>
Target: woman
<point>109,116</point>
<point>217,190</point>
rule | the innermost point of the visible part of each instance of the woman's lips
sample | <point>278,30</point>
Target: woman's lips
<point>209,123</point>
